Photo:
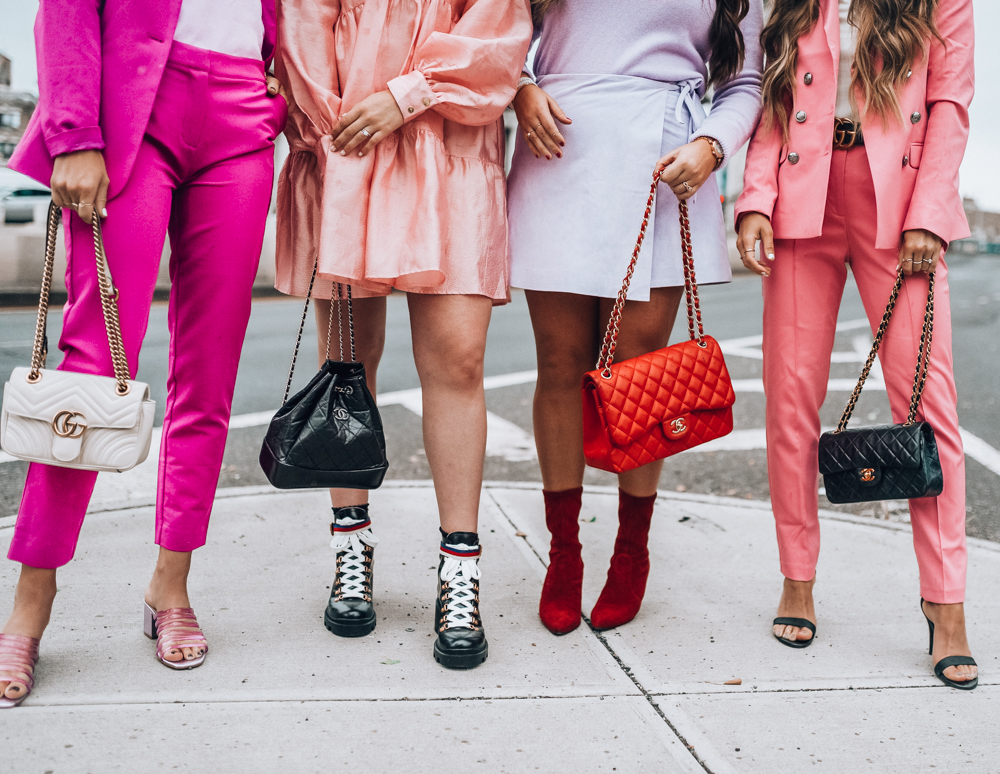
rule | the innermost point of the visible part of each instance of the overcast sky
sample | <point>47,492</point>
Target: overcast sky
<point>980,172</point>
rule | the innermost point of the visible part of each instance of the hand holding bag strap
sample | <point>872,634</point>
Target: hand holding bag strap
<point>329,329</point>
<point>923,353</point>
<point>690,285</point>
<point>109,305</point>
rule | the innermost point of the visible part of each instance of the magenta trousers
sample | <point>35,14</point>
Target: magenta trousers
<point>801,301</point>
<point>203,175</point>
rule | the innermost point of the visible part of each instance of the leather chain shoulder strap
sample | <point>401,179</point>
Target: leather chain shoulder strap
<point>109,304</point>
<point>329,327</point>
<point>690,285</point>
<point>923,353</point>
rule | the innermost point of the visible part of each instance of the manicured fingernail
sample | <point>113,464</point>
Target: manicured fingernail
<point>563,144</point>
<point>361,153</point>
<point>548,157</point>
<point>104,212</point>
<point>770,256</point>
<point>343,153</point>
<point>559,155</point>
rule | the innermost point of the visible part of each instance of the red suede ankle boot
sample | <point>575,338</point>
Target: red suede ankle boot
<point>622,594</point>
<point>562,593</point>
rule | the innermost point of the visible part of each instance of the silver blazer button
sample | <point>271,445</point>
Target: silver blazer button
<point>915,117</point>
<point>793,158</point>
<point>807,78</point>
<point>800,116</point>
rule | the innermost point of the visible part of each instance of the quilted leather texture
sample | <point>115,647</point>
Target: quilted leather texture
<point>118,428</point>
<point>632,418</point>
<point>888,462</point>
<point>327,435</point>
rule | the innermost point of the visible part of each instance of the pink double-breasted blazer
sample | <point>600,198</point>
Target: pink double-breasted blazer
<point>914,163</point>
<point>99,67</point>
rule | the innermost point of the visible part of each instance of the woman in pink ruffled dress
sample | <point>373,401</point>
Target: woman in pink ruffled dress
<point>395,180</point>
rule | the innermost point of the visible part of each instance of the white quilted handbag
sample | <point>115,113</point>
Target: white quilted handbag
<point>70,419</point>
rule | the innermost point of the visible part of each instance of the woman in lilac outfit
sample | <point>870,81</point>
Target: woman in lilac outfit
<point>632,76</point>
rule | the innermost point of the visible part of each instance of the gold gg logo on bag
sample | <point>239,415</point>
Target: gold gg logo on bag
<point>868,475</point>
<point>69,424</point>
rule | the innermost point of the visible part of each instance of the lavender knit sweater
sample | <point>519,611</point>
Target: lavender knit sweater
<point>661,40</point>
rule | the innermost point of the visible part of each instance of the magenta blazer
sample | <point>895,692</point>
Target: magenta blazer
<point>99,67</point>
<point>914,164</point>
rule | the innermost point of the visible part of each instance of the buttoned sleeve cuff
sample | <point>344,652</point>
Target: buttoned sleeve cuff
<point>413,94</point>
<point>73,140</point>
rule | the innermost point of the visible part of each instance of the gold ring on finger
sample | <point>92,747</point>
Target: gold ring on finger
<point>537,128</point>
<point>687,185</point>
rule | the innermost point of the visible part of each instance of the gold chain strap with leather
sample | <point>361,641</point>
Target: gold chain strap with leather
<point>661,403</point>
<point>887,462</point>
<point>71,419</point>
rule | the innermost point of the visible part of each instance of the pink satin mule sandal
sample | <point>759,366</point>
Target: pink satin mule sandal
<point>173,629</point>
<point>18,656</point>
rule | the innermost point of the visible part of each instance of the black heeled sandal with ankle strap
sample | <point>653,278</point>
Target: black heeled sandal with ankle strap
<point>949,661</point>
<point>802,623</point>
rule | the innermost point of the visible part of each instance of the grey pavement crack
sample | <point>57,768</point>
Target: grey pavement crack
<point>621,664</point>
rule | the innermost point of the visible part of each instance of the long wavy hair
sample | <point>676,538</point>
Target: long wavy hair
<point>892,35</point>
<point>724,36</point>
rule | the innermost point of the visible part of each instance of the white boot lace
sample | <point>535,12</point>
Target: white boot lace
<point>459,576</point>
<point>352,573</point>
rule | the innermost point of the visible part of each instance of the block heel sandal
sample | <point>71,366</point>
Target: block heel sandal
<point>949,661</point>
<point>173,629</point>
<point>802,623</point>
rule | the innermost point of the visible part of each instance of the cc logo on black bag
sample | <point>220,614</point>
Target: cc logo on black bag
<point>341,414</point>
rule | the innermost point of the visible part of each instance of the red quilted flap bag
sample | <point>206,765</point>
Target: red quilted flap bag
<point>661,403</point>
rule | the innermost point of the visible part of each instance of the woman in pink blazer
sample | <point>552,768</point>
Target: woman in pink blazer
<point>157,116</point>
<point>880,193</point>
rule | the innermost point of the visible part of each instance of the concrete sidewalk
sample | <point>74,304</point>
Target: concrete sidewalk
<point>279,693</point>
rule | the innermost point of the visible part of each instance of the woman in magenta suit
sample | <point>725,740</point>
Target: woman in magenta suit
<point>157,115</point>
<point>880,194</point>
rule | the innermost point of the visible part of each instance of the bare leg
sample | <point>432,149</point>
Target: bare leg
<point>168,589</point>
<point>645,327</point>
<point>369,342</point>
<point>449,343</point>
<point>36,591</point>
<point>567,342</point>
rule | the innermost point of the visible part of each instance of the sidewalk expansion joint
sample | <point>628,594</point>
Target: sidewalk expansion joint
<point>627,671</point>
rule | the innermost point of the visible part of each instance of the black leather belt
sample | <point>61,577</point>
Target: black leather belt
<point>846,134</point>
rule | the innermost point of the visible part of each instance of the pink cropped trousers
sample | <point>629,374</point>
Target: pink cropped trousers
<point>801,301</point>
<point>203,174</point>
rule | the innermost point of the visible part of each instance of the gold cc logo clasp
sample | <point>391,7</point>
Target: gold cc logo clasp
<point>868,474</point>
<point>678,427</point>
<point>69,424</point>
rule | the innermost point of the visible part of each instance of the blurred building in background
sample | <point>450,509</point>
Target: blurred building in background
<point>985,227</point>
<point>16,108</point>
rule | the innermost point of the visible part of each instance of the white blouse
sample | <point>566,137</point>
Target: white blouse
<point>848,45</point>
<point>233,27</point>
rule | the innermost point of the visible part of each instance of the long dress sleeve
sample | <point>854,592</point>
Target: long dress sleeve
<point>468,75</point>
<point>306,63</point>
<point>736,105</point>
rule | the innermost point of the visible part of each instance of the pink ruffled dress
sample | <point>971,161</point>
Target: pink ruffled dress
<point>426,211</point>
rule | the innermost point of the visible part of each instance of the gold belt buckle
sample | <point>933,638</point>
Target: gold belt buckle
<point>845,133</point>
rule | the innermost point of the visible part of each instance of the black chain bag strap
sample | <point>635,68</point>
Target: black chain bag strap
<point>888,462</point>
<point>330,433</point>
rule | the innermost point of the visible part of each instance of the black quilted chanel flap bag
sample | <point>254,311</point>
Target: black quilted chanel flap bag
<point>329,434</point>
<point>888,462</point>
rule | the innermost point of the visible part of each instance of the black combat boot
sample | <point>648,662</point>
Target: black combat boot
<point>350,612</point>
<point>461,641</point>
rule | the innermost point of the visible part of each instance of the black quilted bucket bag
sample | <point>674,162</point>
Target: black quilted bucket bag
<point>330,433</point>
<point>888,462</point>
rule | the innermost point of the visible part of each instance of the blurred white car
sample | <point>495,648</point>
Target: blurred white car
<point>20,196</point>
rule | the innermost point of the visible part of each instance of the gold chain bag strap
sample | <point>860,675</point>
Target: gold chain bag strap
<point>887,462</point>
<point>70,419</point>
<point>661,403</point>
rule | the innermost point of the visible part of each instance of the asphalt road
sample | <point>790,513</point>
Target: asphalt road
<point>731,312</point>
